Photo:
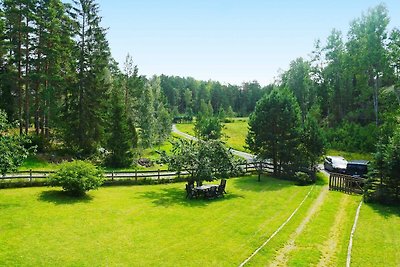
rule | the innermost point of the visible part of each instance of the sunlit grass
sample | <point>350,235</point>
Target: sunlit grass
<point>34,162</point>
<point>142,225</point>
<point>186,128</point>
<point>377,239</point>
<point>234,133</point>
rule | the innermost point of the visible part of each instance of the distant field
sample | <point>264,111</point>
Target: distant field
<point>234,133</point>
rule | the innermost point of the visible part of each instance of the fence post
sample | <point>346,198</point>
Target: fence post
<point>112,176</point>
<point>246,166</point>
<point>136,175</point>
<point>158,175</point>
<point>30,175</point>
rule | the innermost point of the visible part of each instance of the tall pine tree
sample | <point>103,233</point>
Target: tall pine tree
<point>84,116</point>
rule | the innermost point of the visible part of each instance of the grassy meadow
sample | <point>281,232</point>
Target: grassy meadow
<point>234,133</point>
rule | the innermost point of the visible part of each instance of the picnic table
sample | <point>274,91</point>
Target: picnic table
<point>208,191</point>
<point>205,187</point>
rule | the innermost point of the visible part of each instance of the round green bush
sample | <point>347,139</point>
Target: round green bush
<point>77,177</point>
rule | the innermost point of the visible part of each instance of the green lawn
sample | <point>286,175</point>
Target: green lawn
<point>142,225</point>
<point>377,239</point>
<point>155,225</point>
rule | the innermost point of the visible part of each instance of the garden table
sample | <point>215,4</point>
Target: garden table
<point>204,188</point>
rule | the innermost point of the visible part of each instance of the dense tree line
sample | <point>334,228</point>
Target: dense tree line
<point>189,96</point>
<point>58,80</point>
<point>350,83</point>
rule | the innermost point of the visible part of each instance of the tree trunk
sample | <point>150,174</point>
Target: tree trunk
<point>27,108</point>
<point>376,80</point>
<point>19,82</point>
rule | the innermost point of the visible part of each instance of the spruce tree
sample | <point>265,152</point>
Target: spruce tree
<point>53,64</point>
<point>120,139</point>
<point>274,129</point>
<point>84,116</point>
<point>147,122</point>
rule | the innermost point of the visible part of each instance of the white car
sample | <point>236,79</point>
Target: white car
<point>335,164</point>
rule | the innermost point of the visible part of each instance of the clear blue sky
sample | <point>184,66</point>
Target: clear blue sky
<point>225,40</point>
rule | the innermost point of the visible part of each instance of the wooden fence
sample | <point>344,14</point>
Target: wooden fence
<point>346,183</point>
<point>31,175</point>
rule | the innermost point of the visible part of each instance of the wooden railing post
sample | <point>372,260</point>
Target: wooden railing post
<point>135,175</point>
<point>30,175</point>
<point>112,176</point>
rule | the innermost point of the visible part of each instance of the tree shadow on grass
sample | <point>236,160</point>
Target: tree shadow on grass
<point>266,183</point>
<point>174,196</point>
<point>62,198</point>
<point>385,211</point>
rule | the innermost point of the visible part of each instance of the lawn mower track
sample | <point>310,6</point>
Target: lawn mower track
<point>329,247</point>
<point>281,257</point>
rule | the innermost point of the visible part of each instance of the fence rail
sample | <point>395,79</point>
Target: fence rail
<point>32,175</point>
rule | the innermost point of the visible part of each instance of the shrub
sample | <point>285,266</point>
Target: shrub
<point>77,177</point>
<point>303,178</point>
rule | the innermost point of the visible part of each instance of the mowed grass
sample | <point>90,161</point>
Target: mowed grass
<point>324,239</point>
<point>143,225</point>
<point>377,239</point>
<point>234,133</point>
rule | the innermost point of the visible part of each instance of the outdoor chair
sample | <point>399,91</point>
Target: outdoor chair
<point>222,186</point>
<point>190,191</point>
<point>221,190</point>
<point>211,193</point>
<point>191,183</point>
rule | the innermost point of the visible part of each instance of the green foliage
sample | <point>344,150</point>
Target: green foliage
<point>274,129</point>
<point>387,164</point>
<point>208,128</point>
<point>77,177</point>
<point>85,107</point>
<point>121,138</point>
<point>303,178</point>
<point>155,120</point>
<point>204,160</point>
<point>352,137</point>
<point>13,147</point>
<point>312,143</point>
<point>297,79</point>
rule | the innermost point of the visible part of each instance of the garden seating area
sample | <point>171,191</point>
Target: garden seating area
<point>210,191</point>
